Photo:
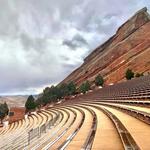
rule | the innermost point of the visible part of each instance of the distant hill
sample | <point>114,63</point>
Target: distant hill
<point>128,48</point>
<point>14,100</point>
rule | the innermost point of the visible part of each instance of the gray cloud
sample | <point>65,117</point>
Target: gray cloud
<point>42,41</point>
<point>37,44</point>
<point>76,42</point>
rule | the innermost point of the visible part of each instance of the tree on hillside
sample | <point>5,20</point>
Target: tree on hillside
<point>30,103</point>
<point>39,102</point>
<point>6,109</point>
<point>129,74</point>
<point>137,75</point>
<point>45,99</point>
<point>54,93</point>
<point>85,87</point>
<point>99,81</point>
<point>3,111</point>
<point>71,88</point>
<point>46,90</point>
<point>82,88</point>
<point>64,90</point>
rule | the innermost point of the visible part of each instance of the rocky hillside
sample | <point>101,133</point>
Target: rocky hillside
<point>128,48</point>
<point>13,101</point>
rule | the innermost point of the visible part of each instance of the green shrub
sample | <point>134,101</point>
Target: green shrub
<point>137,75</point>
<point>71,88</point>
<point>129,74</point>
<point>85,87</point>
<point>54,93</point>
<point>99,81</point>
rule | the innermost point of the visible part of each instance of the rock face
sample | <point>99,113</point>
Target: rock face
<point>128,48</point>
<point>16,113</point>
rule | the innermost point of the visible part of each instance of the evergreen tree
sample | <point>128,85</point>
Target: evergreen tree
<point>30,103</point>
<point>6,109</point>
<point>82,88</point>
<point>99,81</point>
<point>129,74</point>
<point>85,87</point>
<point>71,88</point>
<point>3,111</point>
<point>64,90</point>
<point>54,93</point>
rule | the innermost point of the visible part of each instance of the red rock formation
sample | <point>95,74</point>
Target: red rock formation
<point>16,113</point>
<point>128,48</point>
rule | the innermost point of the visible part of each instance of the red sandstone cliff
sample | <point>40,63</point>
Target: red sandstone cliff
<point>128,48</point>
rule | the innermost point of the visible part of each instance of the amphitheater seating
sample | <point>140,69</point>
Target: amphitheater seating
<point>114,117</point>
<point>135,89</point>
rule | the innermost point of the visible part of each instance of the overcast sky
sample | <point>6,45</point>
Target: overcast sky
<point>42,41</point>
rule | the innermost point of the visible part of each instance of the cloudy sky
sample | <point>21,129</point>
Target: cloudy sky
<point>42,41</point>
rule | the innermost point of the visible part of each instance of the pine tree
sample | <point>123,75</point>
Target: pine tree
<point>71,88</point>
<point>6,109</point>
<point>99,81</point>
<point>129,74</point>
<point>85,87</point>
<point>3,111</point>
<point>30,103</point>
